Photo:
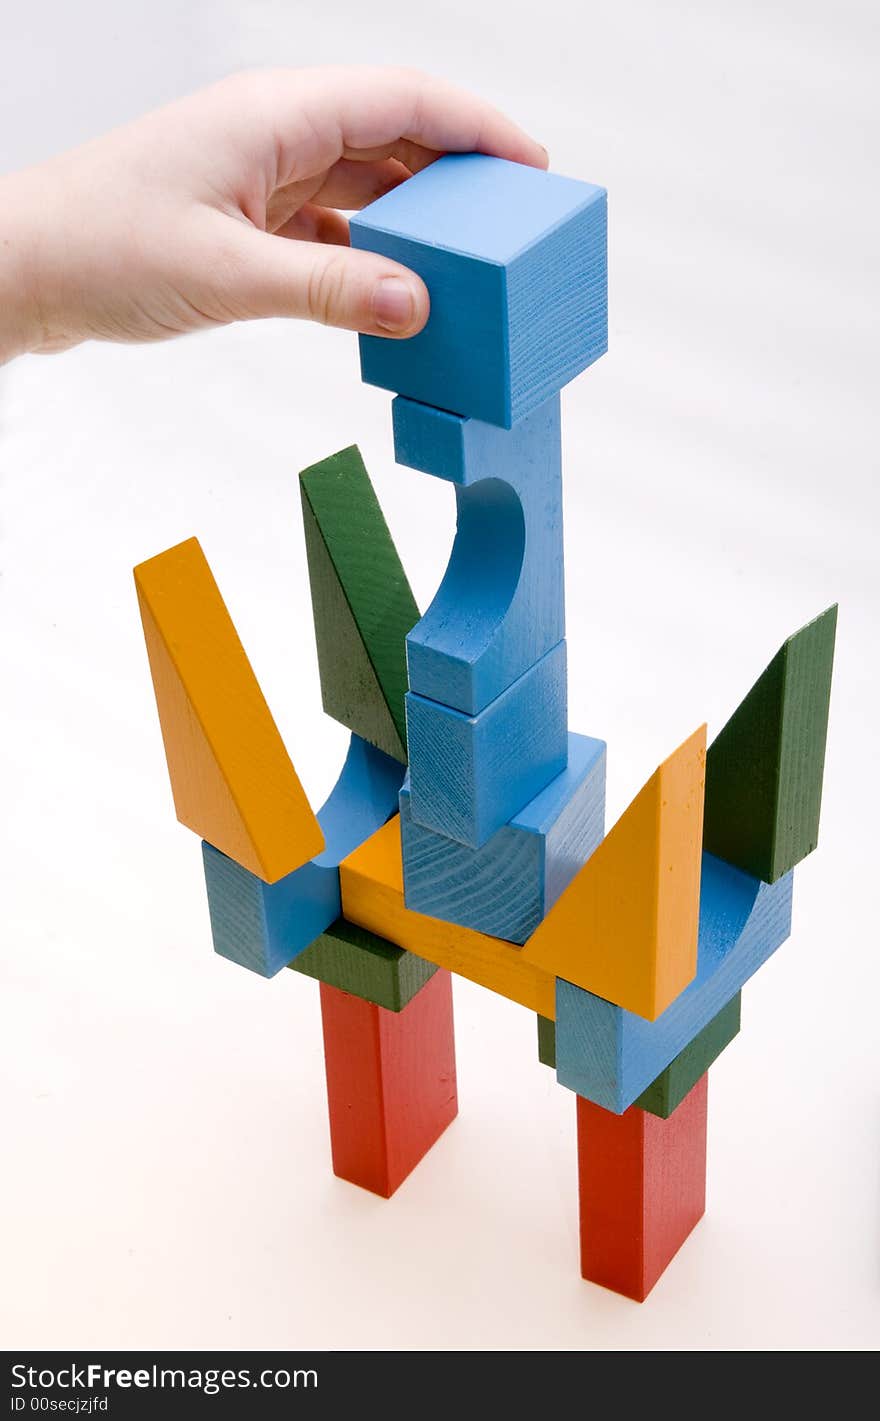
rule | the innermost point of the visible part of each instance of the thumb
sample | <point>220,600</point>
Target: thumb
<point>337,286</point>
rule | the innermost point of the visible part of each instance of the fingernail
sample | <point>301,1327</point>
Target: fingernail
<point>393,305</point>
<point>546,153</point>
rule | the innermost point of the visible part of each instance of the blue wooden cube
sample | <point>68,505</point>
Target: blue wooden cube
<point>515,263</point>
<point>506,887</point>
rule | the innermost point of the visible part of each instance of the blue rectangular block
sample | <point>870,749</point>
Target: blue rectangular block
<point>501,604</point>
<point>610,1055</point>
<point>264,926</point>
<point>470,774</point>
<point>507,886</point>
<point>515,264</point>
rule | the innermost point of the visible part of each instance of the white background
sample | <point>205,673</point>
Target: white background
<point>166,1180</point>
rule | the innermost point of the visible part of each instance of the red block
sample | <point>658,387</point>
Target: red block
<point>390,1082</point>
<point>642,1183</point>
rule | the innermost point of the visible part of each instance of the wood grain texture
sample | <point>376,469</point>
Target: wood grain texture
<point>470,774</point>
<point>666,1093</point>
<point>627,923</point>
<point>501,605</point>
<point>764,771</point>
<point>505,887</point>
<point>361,600</point>
<point>263,926</point>
<point>609,1054</point>
<point>364,965</point>
<point>515,263</point>
<point>372,896</point>
<point>642,1189</point>
<point>231,777</point>
<point>391,1086</point>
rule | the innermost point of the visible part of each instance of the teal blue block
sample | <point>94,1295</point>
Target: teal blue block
<point>470,774</point>
<point>506,887</point>
<point>610,1055</point>
<point>515,263</point>
<point>501,604</point>
<point>263,926</point>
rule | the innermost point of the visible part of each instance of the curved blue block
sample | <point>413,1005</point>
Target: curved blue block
<point>610,1055</point>
<point>501,605</point>
<point>264,926</point>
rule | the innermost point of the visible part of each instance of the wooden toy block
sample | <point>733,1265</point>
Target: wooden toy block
<point>372,896</point>
<point>500,606</point>
<point>609,1054</point>
<point>470,774</point>
<point>665,1094</point>
<point>515,263</point>
<point>506,887</point>
<point>263,926</point>
<point>627,923</point>
<point>391,1086</point>
<point>764,771</point>
<point>361,600</point>
<point>364,965</point>
<point>231,777</point>
<point>642,1185</point>
<point>546,1041</point>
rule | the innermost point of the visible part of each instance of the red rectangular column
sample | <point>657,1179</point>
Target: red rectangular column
<point>390,1082</point>
<point>642,1183</point>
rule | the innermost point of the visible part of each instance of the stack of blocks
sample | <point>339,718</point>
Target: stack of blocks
<point>466,831</point>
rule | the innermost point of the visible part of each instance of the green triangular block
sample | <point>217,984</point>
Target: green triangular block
<point>764,771</point>
<point>361,600</point>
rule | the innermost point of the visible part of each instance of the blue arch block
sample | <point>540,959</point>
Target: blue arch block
<point>507,886</point>
<point>515,263</point>
<point>470,774</point>
<point>610,1055</point>
<point>501,604</point>
<point>264,926</point>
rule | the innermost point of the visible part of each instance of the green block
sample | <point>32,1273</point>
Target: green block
<point>667,1092</point>
<point>361,600</point>
<point>764,771</point>
<point>356,961</point>
<point>547,1041</point>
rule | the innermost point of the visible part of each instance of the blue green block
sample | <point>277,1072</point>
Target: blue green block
<point>501,604</point>
<point>610,1055</point>
<point>506,887</point>
<point>515,264</point>
<point>470,774</point>
<point>263,926</point>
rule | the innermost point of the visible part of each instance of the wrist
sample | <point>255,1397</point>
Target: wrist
<point>21,321</point>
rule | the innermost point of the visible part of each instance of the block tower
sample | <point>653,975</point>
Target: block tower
<point>466,831</point>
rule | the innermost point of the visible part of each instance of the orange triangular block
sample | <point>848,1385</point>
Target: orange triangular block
<point>626,926</point>
<point>232,779</point>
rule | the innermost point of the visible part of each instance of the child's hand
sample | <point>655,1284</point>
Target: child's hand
<point>222,207</point>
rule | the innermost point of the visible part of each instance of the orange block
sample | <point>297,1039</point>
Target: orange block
<point>232,779</point>
<point>372,896</point>
<point>626,926</point>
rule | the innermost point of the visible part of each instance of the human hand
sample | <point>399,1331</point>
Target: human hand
<point>225,205</point>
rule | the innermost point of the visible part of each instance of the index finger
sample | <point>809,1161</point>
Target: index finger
<point>320,114</point>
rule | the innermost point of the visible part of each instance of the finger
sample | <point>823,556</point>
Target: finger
<point>264,275</point>
<point>316,224</point>
<point>348,185</point>
<point>321,114</point>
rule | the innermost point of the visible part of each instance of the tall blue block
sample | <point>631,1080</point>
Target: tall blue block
<point>610,1055</point>
<point>515,264</point>
<point>501,605</point>
<point>507,886</point>
<point>470,774</point>
<point>263,926</point>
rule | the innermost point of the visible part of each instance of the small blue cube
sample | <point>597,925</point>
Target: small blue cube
<point>515,263</point>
